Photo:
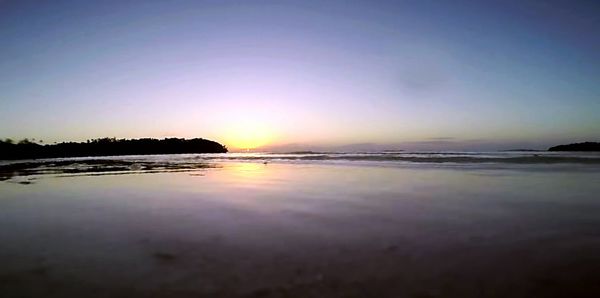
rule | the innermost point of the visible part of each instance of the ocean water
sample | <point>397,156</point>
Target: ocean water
<point>392,224</point>
<point>181,162</point>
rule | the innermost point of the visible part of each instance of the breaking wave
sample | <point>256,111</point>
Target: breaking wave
<point>111,165</point>
<point>416,158</point>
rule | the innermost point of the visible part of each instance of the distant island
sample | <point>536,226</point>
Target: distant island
<point>586,146</point>
<point>26,149</point>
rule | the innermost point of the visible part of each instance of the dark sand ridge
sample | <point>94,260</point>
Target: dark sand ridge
<point>95,167</point>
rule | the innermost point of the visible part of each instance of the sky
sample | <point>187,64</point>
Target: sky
<point>468,75</point>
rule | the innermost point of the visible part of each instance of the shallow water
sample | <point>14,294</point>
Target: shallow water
<point>300,229</point>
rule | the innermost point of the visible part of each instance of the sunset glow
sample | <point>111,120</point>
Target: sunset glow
<point>301,75</point>
<point>247,135</point>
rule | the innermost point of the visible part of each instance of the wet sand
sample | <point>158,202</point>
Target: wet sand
<point>302,230</point>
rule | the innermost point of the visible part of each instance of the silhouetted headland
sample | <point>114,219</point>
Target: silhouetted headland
<point>108,147</point>
<point>586,146</point>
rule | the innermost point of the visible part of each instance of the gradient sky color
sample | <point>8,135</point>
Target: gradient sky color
<point>415,74</point>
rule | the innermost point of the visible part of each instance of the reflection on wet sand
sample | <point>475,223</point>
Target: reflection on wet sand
<point>303,230</point>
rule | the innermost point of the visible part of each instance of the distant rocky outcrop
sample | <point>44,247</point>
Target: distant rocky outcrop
<point>108,147</point>
<point>586,146</point>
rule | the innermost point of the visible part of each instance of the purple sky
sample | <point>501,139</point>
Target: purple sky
<point>305,74</point>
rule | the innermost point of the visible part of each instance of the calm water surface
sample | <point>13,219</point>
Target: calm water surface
<point>343,229</point>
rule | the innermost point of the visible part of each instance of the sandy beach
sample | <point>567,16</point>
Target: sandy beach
<point>248,229</point>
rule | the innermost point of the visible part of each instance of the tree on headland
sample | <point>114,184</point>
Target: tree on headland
<point>25,148</point>
<point>585,146</point>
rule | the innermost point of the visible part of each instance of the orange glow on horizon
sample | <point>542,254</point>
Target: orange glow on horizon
<point>248,135</point>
